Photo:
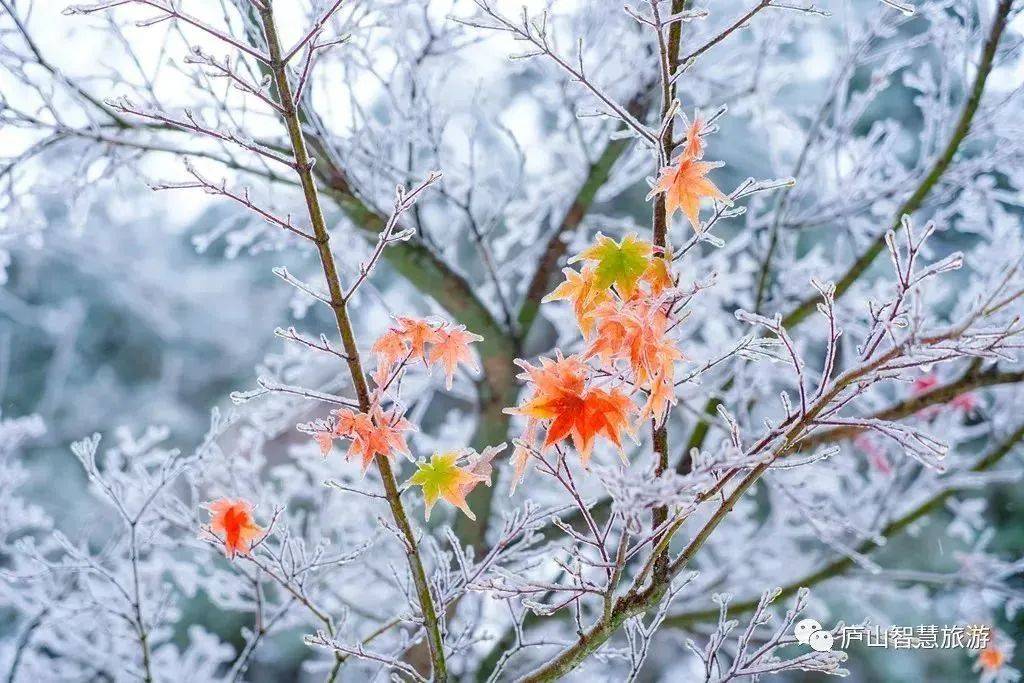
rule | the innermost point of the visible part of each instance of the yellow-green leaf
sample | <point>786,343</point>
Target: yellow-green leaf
<point>443,478</point>
<point>618,263</point>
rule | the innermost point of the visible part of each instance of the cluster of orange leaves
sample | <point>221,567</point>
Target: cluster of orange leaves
<point>379,433</point>
<point>412,339</point>
<point>623,296</point>
<point>407,342</point>
<point>382,432</point>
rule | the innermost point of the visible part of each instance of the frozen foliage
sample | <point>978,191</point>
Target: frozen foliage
<point>825,363</point>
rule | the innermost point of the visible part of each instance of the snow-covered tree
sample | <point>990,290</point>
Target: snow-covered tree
<point>710,386</point>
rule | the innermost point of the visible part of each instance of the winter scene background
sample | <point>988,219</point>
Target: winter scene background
<point>466,339</point>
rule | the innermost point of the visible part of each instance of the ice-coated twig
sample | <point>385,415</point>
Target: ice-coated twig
<point>535,32</point>
<point>168,10</point>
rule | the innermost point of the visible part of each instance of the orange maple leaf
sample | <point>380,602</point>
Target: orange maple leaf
<point>694,148</point>
<point>582,290</point>
<point>345,422</point>
<point>232,522</point>
<point>635,331</point>
<point>684,185</point>
<point>452,348</point>
<point>991,658</point>
<point>380,433</point>
<point>660,395</point>
<point>382,436</point>
<point>658,275</point>
<point>390,348</point>
<point>417,333</point>
<point>573,409</point>
<point>325,440</point>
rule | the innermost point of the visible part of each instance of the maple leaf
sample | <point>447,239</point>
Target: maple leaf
<point>619,263</point>
<point>443,478</point>
<point>480,463</point>
<point>991,658</point>
<point>232,522</point>
<point>659,275</point>
<point>520,459</point>
<point>417,333</point>
<point>636,332</point>
<point>345,422</point>
<point>581,289</point>
<point>684,185</point>
<point>390,348</point>
<point>574,410</point>
<point>694,142</point>
<point>326,441</point>
<point>381,433</point>
<point>452,348</point>
<point>661,395</point>
<point>521,454</point>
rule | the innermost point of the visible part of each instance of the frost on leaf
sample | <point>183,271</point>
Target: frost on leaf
<point>442,477</point>
<point>390,348</point>
<point>618,263</point>
<point>452,348</point>
<point>232,522</point>
<point>684,183</point>
<point>635,332</point>
<point>379,433</point>
<point>582,290</point>
<point>623,298</point>
<point>562,397</point>
<point>417,333</point>
<point>418,340</point>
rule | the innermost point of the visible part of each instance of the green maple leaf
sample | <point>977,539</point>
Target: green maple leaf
<point>442,478</point>
<point>618,263</point>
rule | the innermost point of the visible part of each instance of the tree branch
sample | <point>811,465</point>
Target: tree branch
<point>912,204</point>
<point>916,200</point>
<point>972,379</point>
<point>839,566</point>
<point>304,167</point>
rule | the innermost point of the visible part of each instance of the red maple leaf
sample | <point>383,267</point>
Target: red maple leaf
<point>232,522</point>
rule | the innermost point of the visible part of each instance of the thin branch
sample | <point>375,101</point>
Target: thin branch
<point>931,179</point>
<point>169,12</point>
<point>303,168</point>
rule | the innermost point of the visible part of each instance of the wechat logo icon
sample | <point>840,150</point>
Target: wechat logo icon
<point>809,632</point>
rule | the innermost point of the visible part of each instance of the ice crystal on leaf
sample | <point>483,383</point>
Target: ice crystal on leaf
<point>378,433</point>
<point>415,339</point>
<point>685,184</point>
<point>581,288</point>
<point>623,301</point>
<point>452,348</point>
<point>416,334</point>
